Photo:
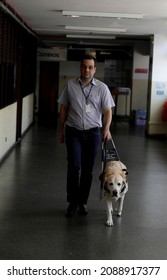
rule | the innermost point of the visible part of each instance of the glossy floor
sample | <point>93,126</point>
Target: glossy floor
<point>33,202</point>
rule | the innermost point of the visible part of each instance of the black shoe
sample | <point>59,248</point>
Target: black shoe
<point>71,209</point>
<point>83,210</point>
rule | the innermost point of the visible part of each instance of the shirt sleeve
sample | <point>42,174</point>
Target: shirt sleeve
<point>107,99</point>
<point>63,98</point>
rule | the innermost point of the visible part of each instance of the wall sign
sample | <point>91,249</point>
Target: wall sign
<point>141,70</point>
<point>52,54</point>
<point>160,89</point>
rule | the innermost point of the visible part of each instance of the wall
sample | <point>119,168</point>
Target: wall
<point>27,112</point>
<point>7,129</point>
<point>140,78</point>
<point>158,94</point>
<point>8,123</point>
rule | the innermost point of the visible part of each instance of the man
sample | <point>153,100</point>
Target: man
<point>83,102</point>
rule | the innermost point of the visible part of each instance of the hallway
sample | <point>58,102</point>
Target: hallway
<point>33,202</point>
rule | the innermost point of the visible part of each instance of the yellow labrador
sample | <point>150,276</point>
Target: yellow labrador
<point>114,187</point>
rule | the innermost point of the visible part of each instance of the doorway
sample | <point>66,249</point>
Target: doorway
<point>48,92</point>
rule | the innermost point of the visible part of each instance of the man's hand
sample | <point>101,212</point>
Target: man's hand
<point>62,117</point>
<point>106,135</point>
<point>61,137</point>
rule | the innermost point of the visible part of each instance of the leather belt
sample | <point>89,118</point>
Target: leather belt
<point>83,130</point>
<point>90,129</point>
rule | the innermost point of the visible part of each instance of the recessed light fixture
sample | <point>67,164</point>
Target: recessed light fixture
<point>98,14</point>
<point>96,29</point>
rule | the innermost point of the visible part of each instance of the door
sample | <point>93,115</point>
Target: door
<point>48,92</point>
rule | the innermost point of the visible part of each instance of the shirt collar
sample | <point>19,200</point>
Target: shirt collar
<point>93,82</point>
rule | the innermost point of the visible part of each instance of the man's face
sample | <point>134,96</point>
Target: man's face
<point>87,69</point>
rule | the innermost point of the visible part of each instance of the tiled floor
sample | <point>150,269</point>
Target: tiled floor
<point>33,202</point>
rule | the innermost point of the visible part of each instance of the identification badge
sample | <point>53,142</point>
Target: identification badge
<point>87,108</point>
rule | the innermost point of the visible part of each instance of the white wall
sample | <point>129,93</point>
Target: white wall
<point>140,78</point>
<point>27,112</point>
<point>158,86</point>
<point>8,123</point>
<point>7,128</point>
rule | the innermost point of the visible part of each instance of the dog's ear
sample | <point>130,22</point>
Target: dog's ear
<point>104,181</point>
<point>106,188</point>
<point>126,171</point>
<point>123,186</point>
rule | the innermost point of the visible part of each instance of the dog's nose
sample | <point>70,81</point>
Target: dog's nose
<point>114,193</point>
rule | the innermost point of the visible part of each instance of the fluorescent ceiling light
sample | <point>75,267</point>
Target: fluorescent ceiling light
<point>105,53</point>
<point>97,14</point>
<point>97,29</point>
<point>90,37</point>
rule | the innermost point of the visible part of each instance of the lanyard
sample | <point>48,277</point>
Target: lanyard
<point>86,97</point>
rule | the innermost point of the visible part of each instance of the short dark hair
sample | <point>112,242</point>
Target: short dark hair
<point>88,56</point>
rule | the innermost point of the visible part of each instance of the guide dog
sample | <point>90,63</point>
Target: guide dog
<point>114,187</point>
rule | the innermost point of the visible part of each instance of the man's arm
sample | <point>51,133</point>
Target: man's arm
<point>106,124</point>
<point>62,119</point>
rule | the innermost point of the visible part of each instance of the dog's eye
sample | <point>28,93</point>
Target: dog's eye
<point>111,184</point>
<point>119,184</point>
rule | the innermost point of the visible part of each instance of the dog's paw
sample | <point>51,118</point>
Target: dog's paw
<point>109,223</point>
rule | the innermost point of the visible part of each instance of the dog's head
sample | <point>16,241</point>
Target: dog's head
<point>115,186</point>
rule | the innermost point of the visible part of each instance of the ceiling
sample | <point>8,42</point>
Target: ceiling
<point>46,20</point>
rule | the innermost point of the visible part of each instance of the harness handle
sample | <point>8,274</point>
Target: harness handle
<point>104,152</point>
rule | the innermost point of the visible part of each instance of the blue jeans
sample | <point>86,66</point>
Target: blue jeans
<point>82,147</point>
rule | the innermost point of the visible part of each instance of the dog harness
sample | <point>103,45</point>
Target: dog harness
<point>110,154</point>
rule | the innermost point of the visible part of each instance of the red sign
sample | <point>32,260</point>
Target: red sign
<point>141,70</point>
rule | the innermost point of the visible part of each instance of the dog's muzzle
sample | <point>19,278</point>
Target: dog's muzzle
<point>115,193</point>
